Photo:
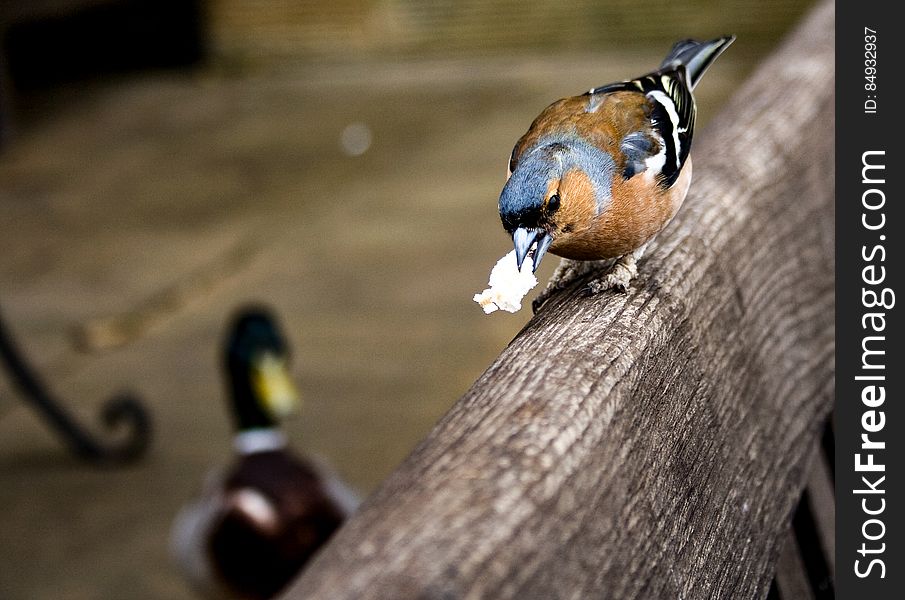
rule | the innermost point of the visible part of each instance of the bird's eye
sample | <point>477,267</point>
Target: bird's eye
<point>553,203</point>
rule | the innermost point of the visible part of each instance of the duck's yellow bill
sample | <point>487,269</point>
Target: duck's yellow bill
<point>273,386</point>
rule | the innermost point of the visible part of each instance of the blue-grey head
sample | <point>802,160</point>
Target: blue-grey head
<point>555,188</point>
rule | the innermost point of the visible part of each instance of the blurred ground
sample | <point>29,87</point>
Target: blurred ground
<point>119,194</point>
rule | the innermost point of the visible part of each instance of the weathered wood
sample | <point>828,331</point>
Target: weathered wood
<point>823,501</point>
<point>806,567</point>
<point>651,444</point>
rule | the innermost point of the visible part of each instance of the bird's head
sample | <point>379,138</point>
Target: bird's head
<point>549,196</point>
<point>256,364</point>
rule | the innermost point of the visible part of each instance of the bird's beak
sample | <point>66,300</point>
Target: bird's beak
<point>273,385</point>
<point>523,239</point>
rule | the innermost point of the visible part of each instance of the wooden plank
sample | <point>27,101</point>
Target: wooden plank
<point>807,563</point>
<point>791,576</point>
<point>650,444</point>
<point>823,502</point>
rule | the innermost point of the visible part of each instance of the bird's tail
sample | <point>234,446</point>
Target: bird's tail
<point>695,56</point>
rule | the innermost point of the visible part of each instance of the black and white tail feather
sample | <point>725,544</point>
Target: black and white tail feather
<point>695,56</point>
<point>670,89</point>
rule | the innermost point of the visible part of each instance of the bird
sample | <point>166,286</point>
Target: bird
<point>257,523</point>
<point>598,175</point>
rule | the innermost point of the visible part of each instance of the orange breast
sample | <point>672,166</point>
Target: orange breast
<point>639,210</point>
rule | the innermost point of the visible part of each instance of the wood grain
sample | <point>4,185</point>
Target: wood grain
<point>649,444</point>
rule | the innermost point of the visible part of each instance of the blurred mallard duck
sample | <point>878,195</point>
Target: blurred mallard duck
<point>256,524</point>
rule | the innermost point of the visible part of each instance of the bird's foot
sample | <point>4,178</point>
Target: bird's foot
<point>617,278</point>
<point>542,298</point>
<point>566,273</point>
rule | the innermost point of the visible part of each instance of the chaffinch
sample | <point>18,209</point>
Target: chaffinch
<point>597,176</point>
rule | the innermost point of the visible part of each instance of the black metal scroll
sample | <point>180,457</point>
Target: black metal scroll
<point>122,410</point>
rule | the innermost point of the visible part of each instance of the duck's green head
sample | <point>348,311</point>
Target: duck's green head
<point>257,371</point>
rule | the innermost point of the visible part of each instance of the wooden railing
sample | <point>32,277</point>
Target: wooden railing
<point>651,444</point>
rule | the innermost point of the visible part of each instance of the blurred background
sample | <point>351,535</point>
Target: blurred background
<point>164,162</point>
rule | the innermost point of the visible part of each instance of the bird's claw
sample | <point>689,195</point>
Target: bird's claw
<point>601,285</point>
<point>618,278</point>
<point>542,298</point>
<point>536,304</point>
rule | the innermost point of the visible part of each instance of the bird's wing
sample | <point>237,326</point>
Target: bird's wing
<point>254,509</point>
<point>189,544</point>
<point>670,115</point>
<point>645,124</point>
<point>344,497</point>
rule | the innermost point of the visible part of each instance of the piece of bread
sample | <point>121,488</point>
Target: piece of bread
<point>507,285</point>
